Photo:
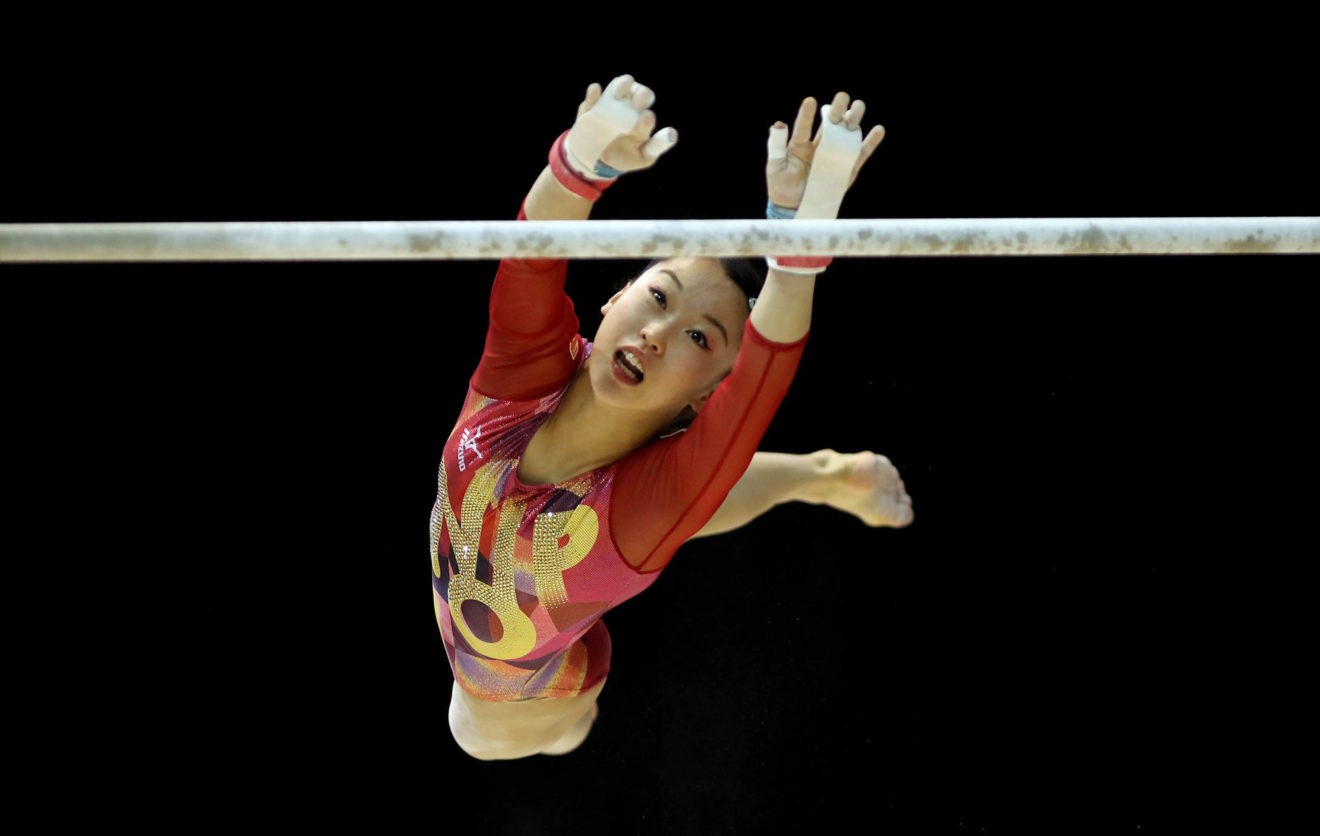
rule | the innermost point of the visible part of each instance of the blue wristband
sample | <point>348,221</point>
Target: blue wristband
<point>605,171</point>
<point>774,212</point>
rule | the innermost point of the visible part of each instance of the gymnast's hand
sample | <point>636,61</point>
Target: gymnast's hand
<point>614,126</point>
<point>838,143</point>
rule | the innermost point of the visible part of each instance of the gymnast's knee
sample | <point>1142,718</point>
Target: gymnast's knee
<point>468,734</point>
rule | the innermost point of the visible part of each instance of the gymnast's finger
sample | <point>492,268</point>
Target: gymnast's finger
<point>593,96</point>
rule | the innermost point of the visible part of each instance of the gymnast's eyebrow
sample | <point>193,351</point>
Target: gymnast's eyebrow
<point>670,274</point>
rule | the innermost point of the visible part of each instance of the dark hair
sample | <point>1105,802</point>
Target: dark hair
<point>748,273</point>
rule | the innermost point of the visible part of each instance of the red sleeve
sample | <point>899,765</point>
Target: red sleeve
<point>665,492</point>
<point>532,342</point>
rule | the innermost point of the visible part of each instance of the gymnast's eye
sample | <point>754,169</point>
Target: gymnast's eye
<point>699,338</point>
<point>658,295</point>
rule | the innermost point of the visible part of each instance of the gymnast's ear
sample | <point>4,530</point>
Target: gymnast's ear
<point>605,308</point>
<point>698,402</point>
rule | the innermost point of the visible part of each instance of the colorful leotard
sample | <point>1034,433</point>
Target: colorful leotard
<point>522,574</point>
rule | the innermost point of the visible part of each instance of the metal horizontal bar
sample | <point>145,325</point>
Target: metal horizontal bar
<point>450,240</point>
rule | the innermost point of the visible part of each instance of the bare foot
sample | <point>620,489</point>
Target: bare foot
<point>870,489</point>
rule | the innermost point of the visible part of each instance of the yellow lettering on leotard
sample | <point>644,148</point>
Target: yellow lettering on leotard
<point>549,559</point>
<point>577,530</point>
<point>517,636</point>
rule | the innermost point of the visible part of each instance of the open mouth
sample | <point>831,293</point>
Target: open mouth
<point>630,364</point>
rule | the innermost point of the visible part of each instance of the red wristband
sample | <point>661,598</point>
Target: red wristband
<point>569,178</point>
<point>801,263</point>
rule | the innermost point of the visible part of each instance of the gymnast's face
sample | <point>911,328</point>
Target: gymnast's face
<point>669,337</point>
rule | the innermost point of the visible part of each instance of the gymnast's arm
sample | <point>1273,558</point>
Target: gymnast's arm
<point>614,134</point>
<point>783,310</point>
<point>682,481</point>
<point>531,343</point>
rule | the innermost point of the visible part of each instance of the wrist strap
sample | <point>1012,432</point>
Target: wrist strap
<point>803,265</point>
<point>568,176</point>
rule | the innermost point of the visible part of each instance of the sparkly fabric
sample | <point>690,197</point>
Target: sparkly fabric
<point>522,575</point>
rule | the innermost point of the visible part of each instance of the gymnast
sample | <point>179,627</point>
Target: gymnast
<point>578,468</point>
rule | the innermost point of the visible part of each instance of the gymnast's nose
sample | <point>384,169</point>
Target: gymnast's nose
<point>655,336</point>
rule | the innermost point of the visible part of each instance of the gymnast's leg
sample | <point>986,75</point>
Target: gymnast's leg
<point>492,731</point>
<point>863,484</point>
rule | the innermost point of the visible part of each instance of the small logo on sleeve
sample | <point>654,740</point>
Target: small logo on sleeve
<point>573,348</point>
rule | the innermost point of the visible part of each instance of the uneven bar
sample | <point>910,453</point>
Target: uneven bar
<point>459,240</point>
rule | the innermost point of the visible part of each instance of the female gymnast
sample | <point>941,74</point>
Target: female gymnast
<point>577,468</point>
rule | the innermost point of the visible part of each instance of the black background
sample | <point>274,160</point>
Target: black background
<point>241,458</point>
